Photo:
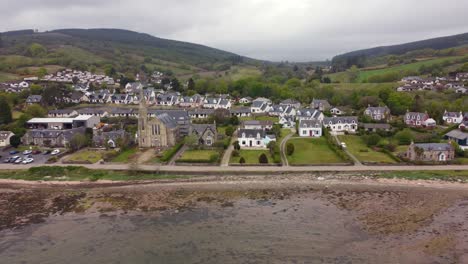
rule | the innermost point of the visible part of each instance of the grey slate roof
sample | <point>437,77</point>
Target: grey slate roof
<point>340,119</point>
<point>201,128</point>
<point>167,120</point>
<point>34,99</point>
<point>434,146</point>
<point>458,134</point>
<point>310,124</point>
<point>308,112</point>
<point>251,133</point>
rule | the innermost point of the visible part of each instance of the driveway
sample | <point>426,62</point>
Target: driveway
<point>284,158</point>
<point>355,160</point>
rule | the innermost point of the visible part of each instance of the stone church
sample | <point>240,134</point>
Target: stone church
<point>160,131</point>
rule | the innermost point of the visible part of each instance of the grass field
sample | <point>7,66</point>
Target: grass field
<point>251,156</point>
<point>312,151</point>
<point>365,74</point>
<point>85,156</point>
<point>126,155</point>
<point>358,148</point>
<point>198,155</point>
<point>274,119</point>
<point>5,76</point>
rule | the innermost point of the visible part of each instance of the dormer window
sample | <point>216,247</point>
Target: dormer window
<point>258,135</point>
<point>243,135</point>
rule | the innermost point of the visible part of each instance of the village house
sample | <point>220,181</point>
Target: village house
<point>245,100</point>
<point>63,123</point>
<point>5,138</point>
<point>254,138</point>
<point>320,104</point>
<point>93,112</point>
<point>291,103</point>
<point>119,99</point>
<point>122,112</point>
<point>62,113</point>
<point>459,136</point>
<point>309,114</point>
<point>241,112</point>
<point>310,128</point>
<point>259,107</point>
<point>379,113</point>
<point>257,124</point>
<point>200,113</point>
<point>341,124</point>
<point>281,110</point>
<point>169,99</point>
<point>417,119</point>
<point>336,111</point>
<point>50,137</point>
<point>452,117</point>
<point>193,101</point>
<point>461,77</point>
<point>206,133</point>
<point>287,121</point>
<point>109,139</point>
<point>430,152</point>
<point>34,99</point>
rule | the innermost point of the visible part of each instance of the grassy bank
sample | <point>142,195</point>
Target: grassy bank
<point>77,173</point>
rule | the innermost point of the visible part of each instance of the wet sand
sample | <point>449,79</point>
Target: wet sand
<point>235,220</point>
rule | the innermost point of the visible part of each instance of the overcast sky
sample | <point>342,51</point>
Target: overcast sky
<point>294,30</point>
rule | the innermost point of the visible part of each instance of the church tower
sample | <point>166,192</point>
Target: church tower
<point>144,140</point>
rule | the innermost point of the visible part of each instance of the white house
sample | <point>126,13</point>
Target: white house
<point>245,100</point>
<point>336,111</point>
<point>254,138</point>
<point>5,138</point>
<point>341,124</point>
<point>310,128</point>
<point>452,117</point>
<point>259,107</point>
<point>309,114</point>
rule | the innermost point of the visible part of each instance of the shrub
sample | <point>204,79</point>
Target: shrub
<point>372,139</point>
<point>242,160</point>
<point>171,152</point>
<point>263,159</point>
<point>236,145</point>
<point>290,149</point>
<point>404,137</point>
<point>229,131</point>
<point>15,141</point>
<point>235,153</point>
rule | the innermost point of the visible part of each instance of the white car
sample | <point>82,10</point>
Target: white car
<point>27,152</point>
<point>27,161</point>
<point>55,152</point>
<point>343,145</point>
<point>18,161</point>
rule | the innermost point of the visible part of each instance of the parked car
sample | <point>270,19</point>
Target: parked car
<point>28,160</point>
<point>27,152</point>
<point>46,152</point>
<point>12,159</point>
<point>7,160</point>
<point>343,145</point>
<point>36,151</point>
<point>18,160</point>
<point>13,152</point>
<point>55,152</point>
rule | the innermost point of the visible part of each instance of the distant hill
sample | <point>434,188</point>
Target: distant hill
<point>366,57</point>
<point>125,50</point>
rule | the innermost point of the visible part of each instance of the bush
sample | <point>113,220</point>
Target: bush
<point>263,159</point>
<point>290,149</point>
<point>242,160</point>
<point>229,131</point>
<point>171,152</point>
<point>236,145</point>
<point>235,153</point>
<point>404,137</point>
<point>15,141</point>
<point>372,139</point>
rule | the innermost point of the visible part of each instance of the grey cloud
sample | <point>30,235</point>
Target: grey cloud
<point>295,30</point>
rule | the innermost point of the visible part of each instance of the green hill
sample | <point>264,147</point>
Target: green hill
<point>400,53</point>
<point>126,51</point>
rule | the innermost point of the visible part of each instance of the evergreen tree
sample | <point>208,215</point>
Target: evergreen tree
<point>5,111</point>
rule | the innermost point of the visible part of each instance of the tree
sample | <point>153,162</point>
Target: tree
<point>372,139</point>
<point>41,72</point>
<point>290,149</point>
<point>36,50</point>
<point>241,160</point>
<point>229,131</point>
<point>191,84</point>
<point>399,103</point>
<point>35,89</point>
<point>272,146</point>
<point>353,73</point>
<point>15,141</point>
<point>236,145</point>
<point>418,104</point>
<point>78,141</point>
<point>404,137</point>
<point>36,110</point>
<point>191,141</point>
<point>263,159</point>
<point>5,111</point>
<point>109,70</point>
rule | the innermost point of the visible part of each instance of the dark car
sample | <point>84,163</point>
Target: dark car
<point>13,152</point>
<point>46,152</point>
<point>36,151</point>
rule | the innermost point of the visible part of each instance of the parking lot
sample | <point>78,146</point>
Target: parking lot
<point>39,159</point>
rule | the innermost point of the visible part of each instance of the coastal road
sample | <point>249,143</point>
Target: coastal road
<point>252,169</point>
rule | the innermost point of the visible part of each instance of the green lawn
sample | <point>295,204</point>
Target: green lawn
<point>312,151</point>
<point>5,76</point>
<point>251,156</point>
<point>126,155</point>
<point>85,156</point>
<point>199,156</point>
<point>358,148</point>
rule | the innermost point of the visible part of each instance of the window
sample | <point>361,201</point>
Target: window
<point>258,143</point>
<point>304,132</point>
<point>243,142</point>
